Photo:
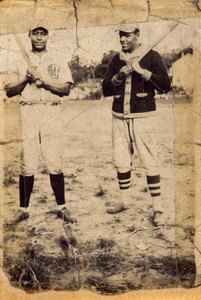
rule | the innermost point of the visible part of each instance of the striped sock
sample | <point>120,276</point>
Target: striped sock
<point>124,180</point>
<point>155,190</point>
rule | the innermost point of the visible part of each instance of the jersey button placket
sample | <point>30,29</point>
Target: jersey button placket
<point>39,65</point>
<point>127,95</point>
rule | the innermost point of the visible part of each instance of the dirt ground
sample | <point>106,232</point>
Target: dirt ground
<point>105,253</point>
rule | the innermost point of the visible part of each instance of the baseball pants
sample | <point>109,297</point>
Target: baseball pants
<point>138,133</point>
<point>41,130</point>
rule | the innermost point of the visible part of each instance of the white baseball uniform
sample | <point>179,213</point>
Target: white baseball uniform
<point>40,114</point>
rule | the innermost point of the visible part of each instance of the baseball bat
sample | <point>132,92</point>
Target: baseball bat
<point>143,52</point>
<point>24,53</point>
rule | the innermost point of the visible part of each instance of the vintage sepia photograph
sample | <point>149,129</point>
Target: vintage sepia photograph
<point>95,163</point>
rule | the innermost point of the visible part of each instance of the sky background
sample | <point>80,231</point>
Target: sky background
<point>92,42</point>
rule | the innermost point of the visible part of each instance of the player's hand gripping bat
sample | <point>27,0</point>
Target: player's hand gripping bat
<point>26,57</point>
<point>142,51</point>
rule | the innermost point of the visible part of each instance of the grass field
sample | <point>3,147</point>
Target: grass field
<point>102,252</point>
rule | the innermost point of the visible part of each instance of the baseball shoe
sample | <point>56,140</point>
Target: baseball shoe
<point>65,215</point>
<point>21,217</point>
<point>117,209</point>
<point>158,218</point>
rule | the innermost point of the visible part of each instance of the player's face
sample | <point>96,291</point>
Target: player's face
<point>129,41</point>
<point>39,39</point>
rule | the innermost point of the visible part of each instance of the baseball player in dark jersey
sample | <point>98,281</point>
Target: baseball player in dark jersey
<point>133,86</point>
<point>41,88</point>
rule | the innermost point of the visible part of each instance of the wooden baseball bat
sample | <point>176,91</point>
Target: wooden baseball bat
<point>24,53</point>
<point>143,52</point>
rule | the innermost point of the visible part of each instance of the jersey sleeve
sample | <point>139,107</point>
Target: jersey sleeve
<point>159,78</point>
<point>107,86</point>
<point>65,74</point>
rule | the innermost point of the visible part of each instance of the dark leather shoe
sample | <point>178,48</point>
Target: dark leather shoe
<point>65,215</point>
<point>23,216</point>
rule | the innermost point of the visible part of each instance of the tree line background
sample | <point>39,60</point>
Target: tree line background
<point>88,78</point>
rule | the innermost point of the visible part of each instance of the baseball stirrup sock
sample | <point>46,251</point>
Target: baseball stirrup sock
<point>26,187</point>
<point>57,183</point>
<point>124,180</point>
<point>155,190</point>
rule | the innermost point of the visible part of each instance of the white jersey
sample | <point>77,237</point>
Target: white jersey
<point>52,69</point>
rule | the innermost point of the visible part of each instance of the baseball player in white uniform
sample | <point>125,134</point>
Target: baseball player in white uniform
<point>41,88</point>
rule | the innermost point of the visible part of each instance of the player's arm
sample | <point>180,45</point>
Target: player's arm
<point>58,89</point>
<point>65,83</point>
<point>114,78</point>
<point>159,77</point>
<point>16,88</point>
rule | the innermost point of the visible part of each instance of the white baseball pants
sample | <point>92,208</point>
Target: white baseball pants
<point>41,130</point>
<point>139,132</point>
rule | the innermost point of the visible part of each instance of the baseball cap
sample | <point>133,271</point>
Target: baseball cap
<point>38,24</point>
<point>129,28</point>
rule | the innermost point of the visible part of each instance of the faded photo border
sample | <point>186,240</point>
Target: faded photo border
<point>78,14</point>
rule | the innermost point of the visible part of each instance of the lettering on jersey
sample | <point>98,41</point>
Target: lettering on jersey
<point>53,71</point>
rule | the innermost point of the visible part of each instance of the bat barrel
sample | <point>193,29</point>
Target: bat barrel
<point>159,39</point>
